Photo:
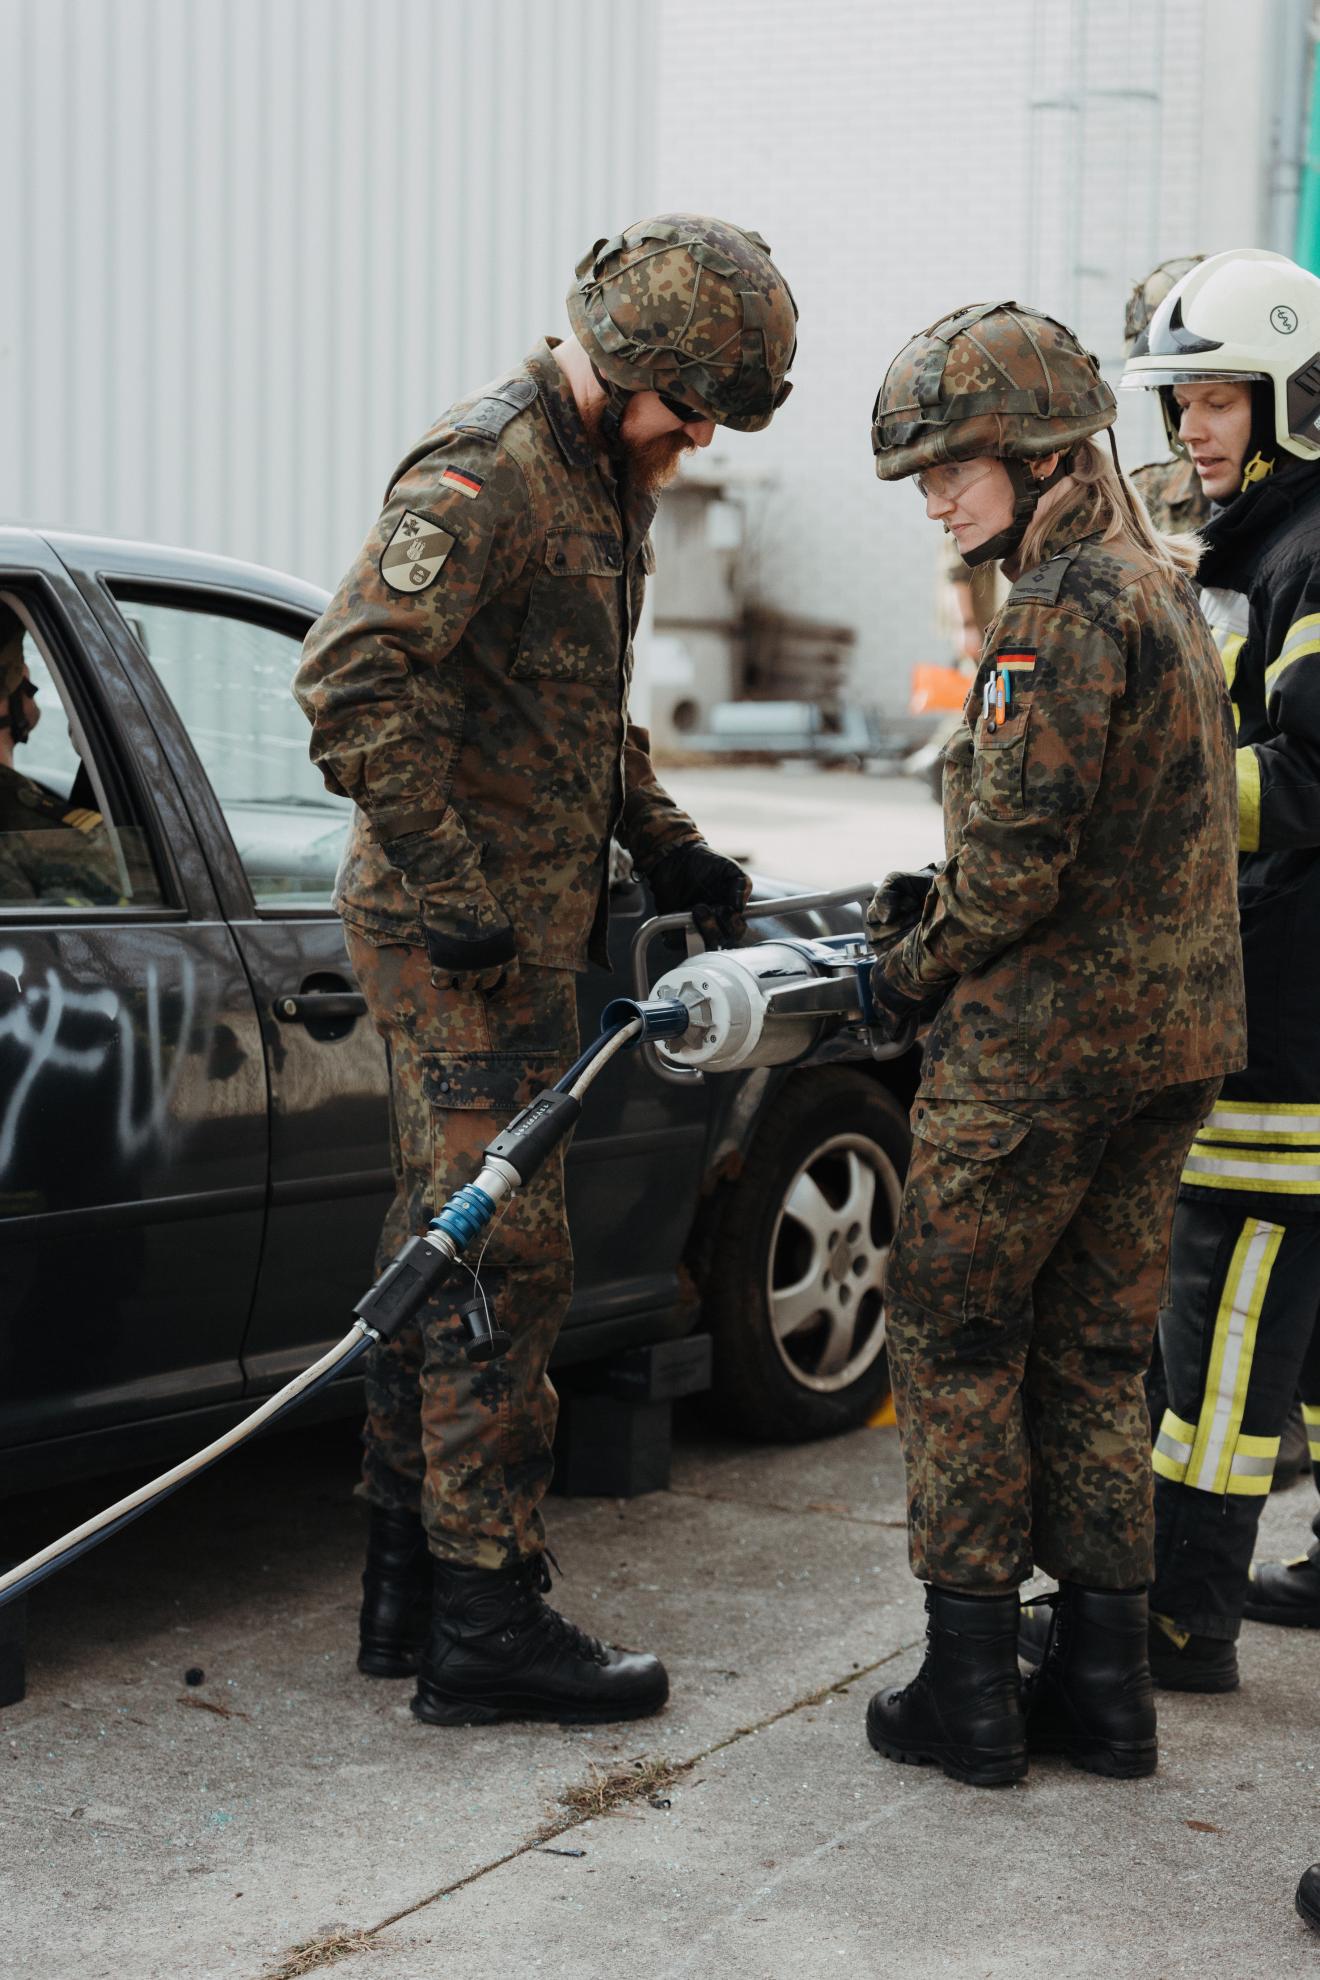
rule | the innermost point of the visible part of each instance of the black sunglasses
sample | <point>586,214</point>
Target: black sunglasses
<point>690,415</point>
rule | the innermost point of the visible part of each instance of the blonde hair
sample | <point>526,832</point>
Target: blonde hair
<point>1111,507</point>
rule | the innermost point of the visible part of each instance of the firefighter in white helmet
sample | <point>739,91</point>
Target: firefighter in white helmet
<point>1234,351</point>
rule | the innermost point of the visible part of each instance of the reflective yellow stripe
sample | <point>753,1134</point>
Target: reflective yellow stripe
<point>1270,1169</point>
<point>1275,672</point>
<point>1231,1353</point>
<point>1252,1470</point>
<point>1173,1447</point>
<point>1300,632</point>
<point>1230,646</point>
<point>1286,1120</point>
<point>1311,1418</point>
<point>1248,783</point>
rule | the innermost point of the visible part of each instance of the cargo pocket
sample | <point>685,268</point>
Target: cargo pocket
<point>956,1206</point>
<point>471,1097</point>
<point>1000,759</point>
<point>572,631</point>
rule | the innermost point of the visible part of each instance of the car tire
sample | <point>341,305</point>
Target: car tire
<point>793,1279</point>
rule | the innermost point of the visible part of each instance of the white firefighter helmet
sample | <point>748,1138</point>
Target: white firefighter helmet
<point>1245,314</point>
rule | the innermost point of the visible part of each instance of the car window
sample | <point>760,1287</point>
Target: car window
<point>64,842</point>
<point>230,678</point>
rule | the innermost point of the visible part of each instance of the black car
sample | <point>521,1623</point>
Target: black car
<point>193,1160</point>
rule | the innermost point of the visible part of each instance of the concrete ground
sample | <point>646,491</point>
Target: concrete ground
<point>284,1814</point>
<point>820,827</point>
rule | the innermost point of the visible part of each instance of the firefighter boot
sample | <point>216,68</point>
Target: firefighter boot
<point>498,1651</point>
<point>1181,1661</point>
<point>1286,1592</point>
<point>1091,1699</point>
<point>396,1595</point>
<point>963,1709</point>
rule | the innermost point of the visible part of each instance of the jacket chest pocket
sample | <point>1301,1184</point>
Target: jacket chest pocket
<point>573,629</point>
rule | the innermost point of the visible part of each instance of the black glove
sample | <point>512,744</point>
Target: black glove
<point>471,958</point>
<point>893,1013</point>
<point>693,879</point>
<point>897,908</point>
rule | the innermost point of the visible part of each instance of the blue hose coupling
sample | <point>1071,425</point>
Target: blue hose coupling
<point>465,1216</point>
<point>661,1017</point>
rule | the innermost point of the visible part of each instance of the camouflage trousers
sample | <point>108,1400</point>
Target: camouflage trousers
<point>1023,1290</point>
<point>469,1446</point>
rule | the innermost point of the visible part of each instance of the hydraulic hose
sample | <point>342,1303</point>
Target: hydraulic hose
<point>419,1271</point>
<point>27,1574</point>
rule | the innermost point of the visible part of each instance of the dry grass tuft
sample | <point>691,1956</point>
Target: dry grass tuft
<point>607,1788</point>
<point>310,1955</point>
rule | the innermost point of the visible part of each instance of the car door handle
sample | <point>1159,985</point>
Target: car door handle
<point>320,1006</point>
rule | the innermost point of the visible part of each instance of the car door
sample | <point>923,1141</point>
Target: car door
<point>132,1091</point>
<point>224,657</point>
<point>633,1173</point>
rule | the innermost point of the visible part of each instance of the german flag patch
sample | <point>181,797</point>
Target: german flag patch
<point>462,482</point>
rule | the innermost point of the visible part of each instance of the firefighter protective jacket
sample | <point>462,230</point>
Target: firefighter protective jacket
<point>1260,580</point>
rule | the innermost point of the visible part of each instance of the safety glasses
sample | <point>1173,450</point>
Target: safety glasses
<point>690,415</point>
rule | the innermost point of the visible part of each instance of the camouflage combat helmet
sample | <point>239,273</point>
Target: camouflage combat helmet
<point>692,307</point>
<point>15,711</point>
<point>1147,295</point>
<point>995,379</point>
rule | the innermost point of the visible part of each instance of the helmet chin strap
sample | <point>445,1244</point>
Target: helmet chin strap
<point>611,419</point>
<point>1027,491</point>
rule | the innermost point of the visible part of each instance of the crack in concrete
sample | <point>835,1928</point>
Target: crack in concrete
<point>549,1831</point>
<point>813,1506</point>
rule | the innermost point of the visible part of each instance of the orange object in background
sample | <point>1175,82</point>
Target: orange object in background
<point>937,690</point>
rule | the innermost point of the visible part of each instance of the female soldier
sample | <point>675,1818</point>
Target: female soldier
<point>1080,945</point>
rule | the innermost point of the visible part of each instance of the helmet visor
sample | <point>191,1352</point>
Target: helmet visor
<point>1150,377</point>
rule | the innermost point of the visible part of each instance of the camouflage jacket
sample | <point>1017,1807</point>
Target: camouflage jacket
<point>50,851</point>
<point>467,686</point>
<point>1171,491</point>
<point>1085,916</point>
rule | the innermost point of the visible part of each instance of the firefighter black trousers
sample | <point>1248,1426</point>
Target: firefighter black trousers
<point>1235,1337</point>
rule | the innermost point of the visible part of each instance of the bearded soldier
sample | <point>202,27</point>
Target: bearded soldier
<point>468,689</point>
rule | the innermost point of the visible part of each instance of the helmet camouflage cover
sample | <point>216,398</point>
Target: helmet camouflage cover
<point>1147,295</point>
<point>691,306</point>
<point>995,378</point>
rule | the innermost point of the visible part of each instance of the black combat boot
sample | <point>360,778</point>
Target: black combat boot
<point>1091,1699</point>
<point>963,1709</point>
<point>396,1595</point>
<point>1286,1592</point>
<point>1308,1897</point>
<point>497,1651</point>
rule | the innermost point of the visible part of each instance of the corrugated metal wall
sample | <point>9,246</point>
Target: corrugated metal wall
<point>251,249</point>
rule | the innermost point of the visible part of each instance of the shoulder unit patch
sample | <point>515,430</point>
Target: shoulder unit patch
<point>415,552</point>
<point>489,416</point>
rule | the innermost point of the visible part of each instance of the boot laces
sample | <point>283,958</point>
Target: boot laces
<point>539,1615</point>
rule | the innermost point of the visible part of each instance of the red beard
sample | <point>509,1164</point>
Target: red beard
<point>650,464</point>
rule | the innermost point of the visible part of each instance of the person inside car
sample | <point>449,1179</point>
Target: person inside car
<point>50,850</point>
